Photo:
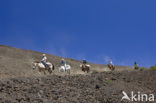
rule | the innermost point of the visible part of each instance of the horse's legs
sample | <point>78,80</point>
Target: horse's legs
<point>68,71</point>
<point>113,67</point>
<point>60,69</point>
<point>44,71</point>
<point>53,67</point>
<point>39,70</point>
<point>50,71</point>
<point>87,69</point>
<point>110,68</point>
<point>83,69</point>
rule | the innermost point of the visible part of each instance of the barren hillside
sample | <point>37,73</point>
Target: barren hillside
<point>19,83</point>
<point>16,62</point>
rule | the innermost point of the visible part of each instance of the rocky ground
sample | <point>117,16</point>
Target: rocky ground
<point>103,87</point>
<point>19,83</point>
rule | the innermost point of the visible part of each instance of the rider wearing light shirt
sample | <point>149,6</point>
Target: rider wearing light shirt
<point>44,60</point>
<point>111,63</point>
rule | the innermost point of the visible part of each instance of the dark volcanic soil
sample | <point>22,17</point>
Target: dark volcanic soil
<point>103,87</point>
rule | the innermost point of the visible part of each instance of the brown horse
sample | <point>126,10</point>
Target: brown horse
<point>85,67</point>
<point>111,67</point>
<point>136,67</point>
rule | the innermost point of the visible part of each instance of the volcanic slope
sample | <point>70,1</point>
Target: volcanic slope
<point>19,83</point>
<point>16,62</point>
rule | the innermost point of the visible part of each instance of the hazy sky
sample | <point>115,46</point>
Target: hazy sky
<point>123,31</point>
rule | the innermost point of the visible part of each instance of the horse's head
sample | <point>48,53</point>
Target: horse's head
<point>34,64</point>
<point>82,66</point>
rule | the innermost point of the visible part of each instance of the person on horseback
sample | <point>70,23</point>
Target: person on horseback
<point>84,61</point>
<point>63,62</point>
<point>136,66</point>
<point>44,60</point>
<point>84,66</point>
<point>111,63</point>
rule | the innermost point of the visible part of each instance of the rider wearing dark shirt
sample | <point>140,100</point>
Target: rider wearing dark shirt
<point>84,62</point>
<point>63,62</point>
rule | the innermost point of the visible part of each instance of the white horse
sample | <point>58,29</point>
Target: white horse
<point>65,68</point>
<point>50,67</point>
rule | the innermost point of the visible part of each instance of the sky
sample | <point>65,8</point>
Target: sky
<point>123,31</point>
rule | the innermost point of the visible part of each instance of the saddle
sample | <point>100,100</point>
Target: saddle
<point>110,65</point>
<point>45,64</point>
<point>84,65</point>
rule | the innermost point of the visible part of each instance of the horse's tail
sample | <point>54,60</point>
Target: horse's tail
<point>88,69</point>
<point>53,67</point>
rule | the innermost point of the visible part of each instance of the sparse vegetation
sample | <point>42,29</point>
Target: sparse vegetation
<point>143,68</point>
<point>109,81</point>
<point>153,68</point>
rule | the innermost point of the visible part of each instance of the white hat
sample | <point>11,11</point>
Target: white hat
<point>44,54</point>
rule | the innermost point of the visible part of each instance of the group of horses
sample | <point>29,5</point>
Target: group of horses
<point>50,67</point>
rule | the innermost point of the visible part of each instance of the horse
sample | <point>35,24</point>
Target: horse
<point>65,68</point>
<point>136,67</point>
<point>111,67</point>
<point>85,67</point>
<point>50,67</point>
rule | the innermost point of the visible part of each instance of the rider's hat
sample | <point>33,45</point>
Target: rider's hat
<point>44,54</point>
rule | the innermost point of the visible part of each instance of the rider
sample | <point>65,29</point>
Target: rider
<point>63,62</point>
<point>136,65</point>
<point>84,62</point>
<point>111,63</point>
<point>44,60</point>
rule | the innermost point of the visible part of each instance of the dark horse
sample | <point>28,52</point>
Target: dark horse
<point>136,67</point>
<point>85,68</point>
<point>111,67</point>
